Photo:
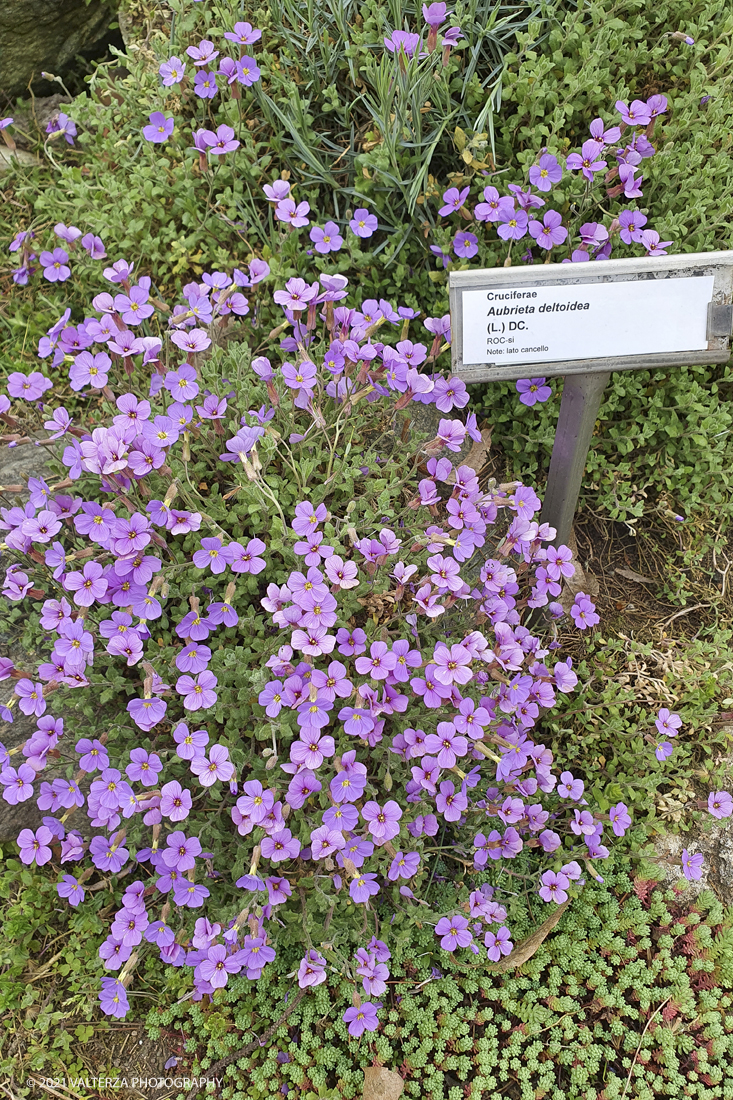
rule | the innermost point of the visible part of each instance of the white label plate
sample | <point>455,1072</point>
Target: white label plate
<point>548,324</point>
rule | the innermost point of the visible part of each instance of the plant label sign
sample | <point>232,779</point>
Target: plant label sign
<point>511,323</point>
<point>584,321</point>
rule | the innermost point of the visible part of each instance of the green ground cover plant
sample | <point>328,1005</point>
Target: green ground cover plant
<point>631,996</point>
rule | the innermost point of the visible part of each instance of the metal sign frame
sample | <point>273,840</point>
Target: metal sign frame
<point>586,379</point>
<point>717,264</point>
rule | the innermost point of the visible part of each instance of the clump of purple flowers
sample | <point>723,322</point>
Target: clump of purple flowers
<point>449,713</point>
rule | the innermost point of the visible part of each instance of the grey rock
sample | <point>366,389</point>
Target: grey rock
<point>20,156</point>
<point>716,845</point>
<point>17,464</point>
<point>712,837</point>
<point>38,35</point>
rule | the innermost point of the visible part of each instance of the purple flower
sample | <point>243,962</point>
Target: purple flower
<point>181,851</point>
<point>62,124</point>
<point>295,214</point>
<point>720,804</point>
<point>452,434</point>
<point>586,159</point>
<point>351,642</point>
<point>146,713</point>
<point>245,559</point>
<point>189,745</point>
<point>404,865</point>
<point>297,294</point>
<point>498,943</point>
<point>280,845</point>
<point>311,748</point>
<point>300,377</point>
<point>143,767</point>
<point>94,755</point>
<point>435,14</point>
<point>620,818</point>
<point>218,765</point>
<point>638,114</point>
<point>87,586</point>
<point>667,723</point>
<point>35,847</point>
<point>631,223</point>
<point>512,224</point>
<point>194,626</point>
<point>692,865</point>
<point>30,387</point>
<point>494,207</point>
<point>453,932</point>
<point>546,172</point>
<point>383,821</point>
<point>213,555</point>
<point>31,697</point>
<point>107,855</point>
<point>204,84</point>
<point>446,743</point>
<point>70,889</point>
<point>583,612</point>
<point>663,750</point>
<point>68,233</point>
<point>160,128</point>
<point>605,137</point>
<point>401,41</point>
<point>244,33</point>
<point>453,200</point>
<point>444,257</point>
<point>361,1019</point>
<point>363,887</point>
<point>364,224</point>
<point>465,245</point>
<point>277,190</point>
<point>312,969</point>
<point>248,71</point>
<point>181,383</point>
<point>225,141</point>
<point>324,841</point>
<point>549,840</point>
<point>653,245</point>
<point>550,231</point>
<point>18,783</point>
<point>380,662</point>
<point>89,370</point>
<point>113,998</point>
<point>657,105</point>
<point>194,341</point>
<point>175,801</point>
<point>554,887</point>
<point>190,894</point>
<point>328,239</point>
<point>134,306</point>
<point>217,966</point>
<point>452,666</point>
<point>570,787</point>
<point>203,53</point>
<point>172,71</point>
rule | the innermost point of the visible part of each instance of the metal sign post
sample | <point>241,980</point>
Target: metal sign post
<point>584,321</point>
